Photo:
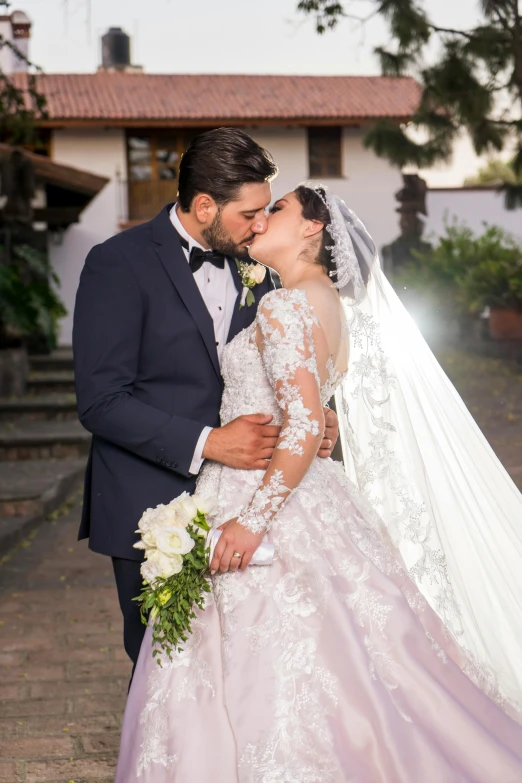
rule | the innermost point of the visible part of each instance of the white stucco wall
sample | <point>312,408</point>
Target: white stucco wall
<point>100,152</point>
<point>472,207</point>
<point>368,184</point>
<point>369,187</point>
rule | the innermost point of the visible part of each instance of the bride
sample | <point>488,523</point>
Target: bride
<point>384,643</point>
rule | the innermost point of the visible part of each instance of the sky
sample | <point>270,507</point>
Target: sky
<point>226,36</point>
<point>214,36</point>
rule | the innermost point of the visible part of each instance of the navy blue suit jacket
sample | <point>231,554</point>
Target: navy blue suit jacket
<point>147,377</point>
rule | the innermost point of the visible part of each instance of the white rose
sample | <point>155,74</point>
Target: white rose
<point>150,571</point>
<point>257,273</point>
<point>159,564</point>
<point>189,506</point>
<point>169,515</point>
<point>148,539</point>
<point>207,504</point>
<point>147,519</point>
<point>174,541</point>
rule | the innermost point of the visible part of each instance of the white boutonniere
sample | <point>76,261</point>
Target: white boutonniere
<point>251,275</point>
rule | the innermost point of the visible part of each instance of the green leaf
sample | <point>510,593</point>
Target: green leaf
<point>393,63</point>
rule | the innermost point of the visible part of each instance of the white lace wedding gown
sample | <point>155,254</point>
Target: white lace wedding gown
<point>327,666</point>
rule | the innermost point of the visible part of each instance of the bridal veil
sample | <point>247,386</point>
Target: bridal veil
<point>410,444</point>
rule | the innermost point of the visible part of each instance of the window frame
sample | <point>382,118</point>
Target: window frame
<point>332,151</point>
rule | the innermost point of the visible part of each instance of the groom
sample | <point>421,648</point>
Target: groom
<point>155,307</point>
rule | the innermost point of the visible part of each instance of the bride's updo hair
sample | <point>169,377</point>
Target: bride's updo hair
<point>314,208</point>
<point>313,205</point>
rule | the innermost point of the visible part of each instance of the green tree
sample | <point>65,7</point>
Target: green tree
<point>473,82</point>
<point>20,108</point>
<point>29,305</point>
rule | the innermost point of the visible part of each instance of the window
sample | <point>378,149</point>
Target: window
<point>324,152</point>
<point>153,165</point>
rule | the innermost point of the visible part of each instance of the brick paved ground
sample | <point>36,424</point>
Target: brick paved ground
<point>492,390</point>
<point>63,672</point>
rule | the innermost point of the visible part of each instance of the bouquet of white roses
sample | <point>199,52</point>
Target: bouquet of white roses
<point>175,570</point>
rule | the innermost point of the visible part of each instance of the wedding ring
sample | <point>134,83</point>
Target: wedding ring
<point>236,554</point>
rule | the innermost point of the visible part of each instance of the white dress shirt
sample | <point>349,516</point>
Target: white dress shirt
<point>219,293</point>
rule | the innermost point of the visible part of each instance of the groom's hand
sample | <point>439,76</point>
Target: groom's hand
<point>331,433</point>
<point>247,443</point>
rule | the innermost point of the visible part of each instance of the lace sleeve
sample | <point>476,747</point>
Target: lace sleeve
<point>285,334</point>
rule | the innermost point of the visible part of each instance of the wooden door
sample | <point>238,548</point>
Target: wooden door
<point>153,168</point>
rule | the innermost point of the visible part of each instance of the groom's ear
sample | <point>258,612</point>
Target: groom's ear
<point>204,208</point>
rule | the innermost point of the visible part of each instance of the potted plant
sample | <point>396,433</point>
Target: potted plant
<point>465,273</point>
<point>496,282</point>
<point>434,283</point>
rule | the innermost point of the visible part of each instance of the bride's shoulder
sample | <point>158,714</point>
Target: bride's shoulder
<point>284,299</point>
<point>305,293</point>
<point>308,295</point>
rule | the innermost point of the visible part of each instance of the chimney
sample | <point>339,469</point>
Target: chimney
<point>15,28</point>
<point>116,52</point>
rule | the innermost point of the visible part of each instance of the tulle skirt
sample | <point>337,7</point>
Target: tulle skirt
<point>326,667</point>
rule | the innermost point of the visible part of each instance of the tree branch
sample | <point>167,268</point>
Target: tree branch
<point>16,50</point>
<point>451,31</point>
<point>503,21</point>
<point>516,34</point>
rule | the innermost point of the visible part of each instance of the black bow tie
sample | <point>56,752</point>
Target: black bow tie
<point>199,256</point>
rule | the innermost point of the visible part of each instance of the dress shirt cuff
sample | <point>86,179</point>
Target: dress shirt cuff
<point>197,459</point>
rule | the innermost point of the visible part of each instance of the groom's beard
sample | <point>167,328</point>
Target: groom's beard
<point>217,237</point>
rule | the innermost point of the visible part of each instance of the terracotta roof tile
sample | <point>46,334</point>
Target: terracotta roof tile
<point>136,96</point>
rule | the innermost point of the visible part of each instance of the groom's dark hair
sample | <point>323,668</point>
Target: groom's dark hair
<point>219,163</point>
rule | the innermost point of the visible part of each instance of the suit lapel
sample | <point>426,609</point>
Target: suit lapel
<point>177,268</point>
<point>238,316</point>
<point>244,316</point>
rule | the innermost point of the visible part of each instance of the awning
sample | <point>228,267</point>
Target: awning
<point>68,190</point>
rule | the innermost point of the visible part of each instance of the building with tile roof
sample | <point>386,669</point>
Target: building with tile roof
<point>132,127</point>
<point>121,99</point>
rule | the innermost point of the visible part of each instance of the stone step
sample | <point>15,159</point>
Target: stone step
<point>38,407</point>
<point>42,487</point>
<point>26,484</point>
<point>27,440</point>
<point>51,383</point>
<point>60,360</point>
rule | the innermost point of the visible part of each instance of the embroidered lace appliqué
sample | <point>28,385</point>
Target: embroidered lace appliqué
<point>155,716</point>
<point>286,321</point>
<point>265,504</point>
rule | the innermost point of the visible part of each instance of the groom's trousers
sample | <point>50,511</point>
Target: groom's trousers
<point>129,584</point>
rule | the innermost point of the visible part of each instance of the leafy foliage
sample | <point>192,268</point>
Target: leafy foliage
<point>171,601</point>
<point>29,304</point>
<point>464,273</point>
<point>477,72</point>
<point>327,13</point>
<point>495,172</point>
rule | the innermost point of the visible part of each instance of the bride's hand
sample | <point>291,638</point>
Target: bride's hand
<point>234,538</point>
